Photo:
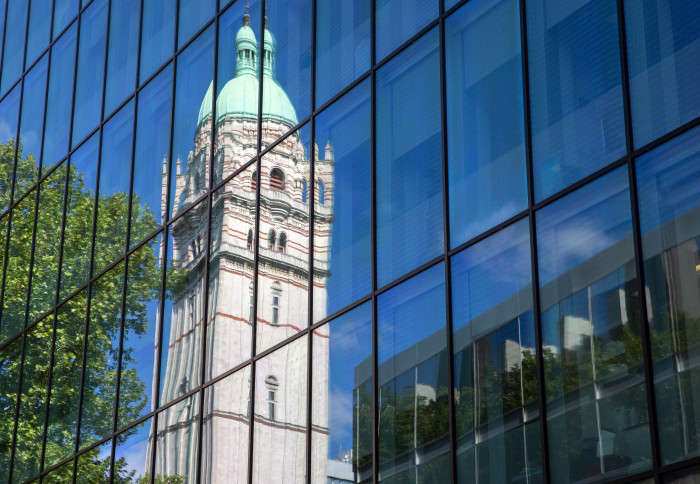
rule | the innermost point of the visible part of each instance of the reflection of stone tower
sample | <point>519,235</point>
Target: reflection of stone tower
<point>283,282</point>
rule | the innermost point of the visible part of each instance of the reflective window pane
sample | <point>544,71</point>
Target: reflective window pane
<point>283,268</point>
<point>58,110</point>
<point>398,20</point>
<point>341,438</point>
<point>63,12</point>
<point>10,357</point>
<point>575,92</point>
<point>157,35</point>
<point>123,52</point>
<point>342,45</point>
<point>62,475</point>
<point>342,209</point>
<point>13,54</point>
<point>409,160</point>
<point>192,139</point>
<point>9,112</point>
<point>412,380</point>
<point>132,453</point>
<point>231,264</point>
<point>597,417</point>
<point>226,430</point>
<point>486,153</point>
<point>669,207</point>
<point>176,442</point>
<point>663,49</point>
<point>193,15</point>
<point>280,415</point>
<point>91,71</point>
<point>39,32</point>
<point>94,465</point>
<point>495,360</point>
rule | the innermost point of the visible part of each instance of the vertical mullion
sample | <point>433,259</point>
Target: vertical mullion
<point>452,425</point>
<point>539,361</point>
<point>256,247</point>
<point>373,238</point>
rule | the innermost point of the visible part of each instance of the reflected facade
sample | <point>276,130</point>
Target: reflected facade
<point>397,241</point>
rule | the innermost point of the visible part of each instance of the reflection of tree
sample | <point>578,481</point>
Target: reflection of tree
<point>105,315</point>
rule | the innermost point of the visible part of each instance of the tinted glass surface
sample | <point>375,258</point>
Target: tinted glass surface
<point>9,112</point>
<point>193,15</point>
<point>157,35</point>
<point>39,32</point>
<point>398,20</point>
<point>94,465</point>
<point>178,430</point>
<point>10,358</point>
<point>132,452</point>
<point>15,32</point>
<point>123,52</point>
<point>409,160</point>
<point>63,13</point>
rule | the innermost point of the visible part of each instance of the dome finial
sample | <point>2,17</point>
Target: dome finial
<point>246,16</point>
<point>265,21</point>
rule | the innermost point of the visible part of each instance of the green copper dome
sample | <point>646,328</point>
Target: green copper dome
<point>205,108</point>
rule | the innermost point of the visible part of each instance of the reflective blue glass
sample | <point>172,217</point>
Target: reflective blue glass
<point>342,45</point>
<point>575,90</point>
<point>409,160</point>
<point>63,12</point>
<point>667,179</point>
<point>597,419</point>
<point>132,452</point>
<point>113,206</point>
<point>91,71</point>
<point>663,48</point>
<point>487,179</point>
<point>9,113</point>
<point>195,71</point>
<point>412,380</point>
<point>13,55</point>
<point>341,396</point>
<point>123,52</point>
<point>344,130</point>
<point>39,31</point>
<point>31,125</point>
<point>157,35</point>
<point>60,98</point>
<point>398,20</point>
<point>497,415</point>
<point>193,15</point>
<point>3,5</point>
<point>151,156</point>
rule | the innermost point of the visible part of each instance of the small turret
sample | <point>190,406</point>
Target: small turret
<point>329,151</point>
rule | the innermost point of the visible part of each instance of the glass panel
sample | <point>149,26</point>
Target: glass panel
<point>495,360</point>
<point>139,347</point>
<point>62,475</point>
<point>575,93</point>
<point>669,207</point>
<point>15,31</point>
<point>597,417</point>
<point>226,430</point>
<point>91,70</point>
<point>152,139</point>
<point>123,52</point>
<point>80,205</point>
<point>280,415</point>
<point>59,102</point>
<point>283,275</point>
<point>132,454</point>
<point>47,244</point>
<point>413,427</point>
<point>229,331</point>
<point>685,476</point>
<point>113,205</point>
<point>487,179</point>
<point>64,11</point>
<point>176,442</point>
<point>157,35</point>
<point>94,465</point>
<point>342,214</point>
<point>193,15</point>
<point>32,410</point>
<point>99,392</point>
<point>14,302</point>
<point>31,126</point>
<point>286,66</point>
<point>409,160</point>
<point>3,4</point>
<point>39,32</point>
<point>191,139</point>
<point>342,45</point>
<point>237,90</point>
<point>10,359</point>
<point>181,339</point>
<point>399,20</point>
<point>341,435</point>
<point>65,380</point>
<point>663,48</point>
<point>9,112</point>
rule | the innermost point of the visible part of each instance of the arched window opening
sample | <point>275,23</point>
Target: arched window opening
<point>271,239</point>
<point>276,294</point>
<point>272,384</point>
<point>254,180</point>
<point>303,191</point>
<point>250,293</point>
<point>321,193</point>
<point>249,241</point>
<point>282,244</point>
<point>277,179</point>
